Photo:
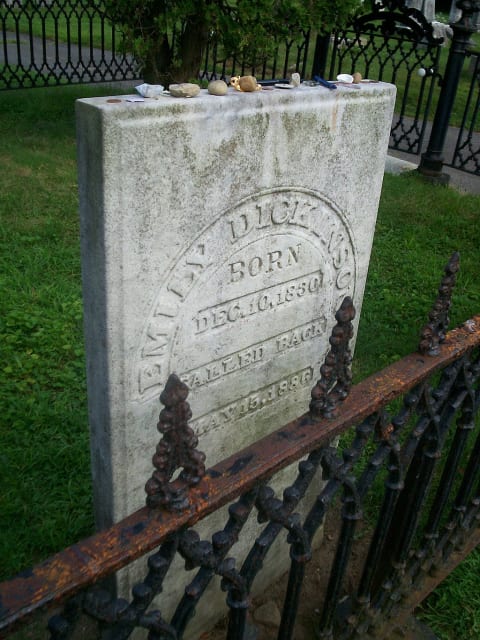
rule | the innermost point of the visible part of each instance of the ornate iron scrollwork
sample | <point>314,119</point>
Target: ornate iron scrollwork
<point>390,17</point>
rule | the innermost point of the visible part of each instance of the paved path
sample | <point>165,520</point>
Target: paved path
<point>460,179</point>
<point>80,62</point>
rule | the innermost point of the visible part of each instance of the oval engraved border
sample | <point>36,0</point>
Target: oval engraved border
<point>197,261</point>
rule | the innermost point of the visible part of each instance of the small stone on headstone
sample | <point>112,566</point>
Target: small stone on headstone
<point>245,83</point>
<point>184,90</point>
<point>217,88</point>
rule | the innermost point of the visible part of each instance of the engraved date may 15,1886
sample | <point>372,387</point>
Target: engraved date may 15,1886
<point>253,402</point>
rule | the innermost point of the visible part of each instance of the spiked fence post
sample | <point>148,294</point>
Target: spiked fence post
<point>433,333</point>
<point>175,450</point>
<point>336,377</point>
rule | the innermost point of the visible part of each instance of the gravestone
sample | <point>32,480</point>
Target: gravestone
<point>219,236</point>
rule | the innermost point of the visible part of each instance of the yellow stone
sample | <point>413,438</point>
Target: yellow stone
<point>217,87</point>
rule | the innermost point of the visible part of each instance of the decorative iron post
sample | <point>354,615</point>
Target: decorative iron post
<point>431,164</point>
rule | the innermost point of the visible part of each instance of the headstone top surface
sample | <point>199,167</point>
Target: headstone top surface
<point>237,100</point>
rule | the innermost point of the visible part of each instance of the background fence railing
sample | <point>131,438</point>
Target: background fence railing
<point>467,149</point>
<point>392,46</point>
<point>396,44</point>
<point>52,42</point>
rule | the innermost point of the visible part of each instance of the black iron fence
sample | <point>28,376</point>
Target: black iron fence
<point>396,44</point>
<point>407,478</point>
<point>467,148</point>
<point>52,42</point>
<point>392,43</point>
<point>289,56</point>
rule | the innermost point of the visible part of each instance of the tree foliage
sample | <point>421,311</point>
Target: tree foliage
<point>169,36</point>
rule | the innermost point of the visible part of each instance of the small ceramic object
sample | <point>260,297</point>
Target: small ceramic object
<point>357,77</point>
<point>217,87</point>
<point>295,82</point>
<point>184,90</point>
<point>245,83</point>
<point>295,79</point>
<point>345,77</point>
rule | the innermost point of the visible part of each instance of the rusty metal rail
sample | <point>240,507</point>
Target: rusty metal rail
<point>441,399</point>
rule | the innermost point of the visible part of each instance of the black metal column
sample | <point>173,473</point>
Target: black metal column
<point>431,164</point>
<point>322,45</point>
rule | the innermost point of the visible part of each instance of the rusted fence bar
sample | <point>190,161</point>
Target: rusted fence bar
<point>62,575</point>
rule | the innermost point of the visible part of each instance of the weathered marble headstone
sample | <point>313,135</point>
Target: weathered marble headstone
<point>219,236</point>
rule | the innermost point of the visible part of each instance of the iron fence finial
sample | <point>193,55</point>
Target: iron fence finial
<point>433,333</point>
<point>336,377</point>
<point>176,449</point>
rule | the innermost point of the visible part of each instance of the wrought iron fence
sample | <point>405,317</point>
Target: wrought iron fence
<point>52,42</point>
<point>407,477</point>
<point>396,44</point>
<point>466,155</point>
<point>287,57</point>
<point>392,43</point>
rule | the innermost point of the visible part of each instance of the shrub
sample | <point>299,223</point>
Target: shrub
<point>169,37</point>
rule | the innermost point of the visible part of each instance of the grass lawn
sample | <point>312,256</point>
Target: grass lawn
<point>45,502</point>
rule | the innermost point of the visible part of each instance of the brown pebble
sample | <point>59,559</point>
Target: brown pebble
<point>248,83</point>
<point>184,90</point>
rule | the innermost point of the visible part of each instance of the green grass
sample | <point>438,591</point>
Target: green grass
<point>45,502</point>
<point>460,590</point>
<point>418,228</point>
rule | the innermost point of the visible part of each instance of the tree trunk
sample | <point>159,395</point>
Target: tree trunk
<point>192,45</point>
<point>157,68</point>
<point>160,66</point>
